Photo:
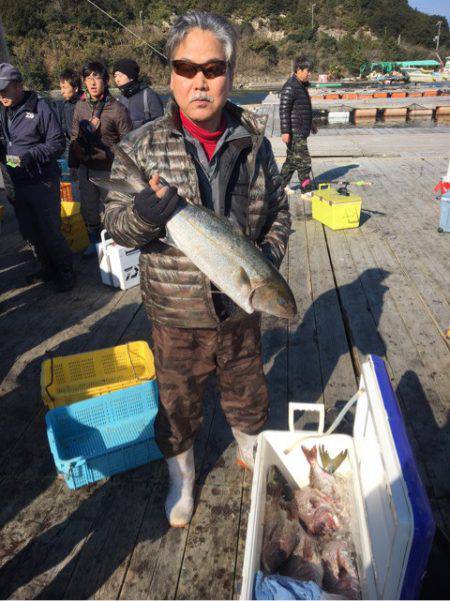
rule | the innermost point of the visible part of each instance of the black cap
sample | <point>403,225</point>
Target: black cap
<point>128,67</point>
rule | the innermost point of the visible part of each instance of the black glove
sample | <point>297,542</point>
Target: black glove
<point>155,210</point>
<point>28,162</point>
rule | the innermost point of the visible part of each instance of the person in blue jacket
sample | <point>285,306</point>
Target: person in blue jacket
<point>31,140</point>
<point>143,103</point>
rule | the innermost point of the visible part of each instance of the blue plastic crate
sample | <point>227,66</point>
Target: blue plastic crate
<point>99,437</point>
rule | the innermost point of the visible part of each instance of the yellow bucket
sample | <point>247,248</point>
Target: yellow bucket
<point>335,210</point>
<point>66,380</point>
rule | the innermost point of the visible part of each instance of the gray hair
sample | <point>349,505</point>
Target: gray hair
<point>216,24</point>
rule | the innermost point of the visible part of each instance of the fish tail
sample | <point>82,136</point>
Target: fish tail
<point>310,454</point>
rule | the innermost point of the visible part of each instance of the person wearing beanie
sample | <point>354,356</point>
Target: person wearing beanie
<point>142,102</point>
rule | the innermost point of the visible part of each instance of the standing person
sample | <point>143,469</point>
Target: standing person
<point>71,91</point>
<point>70,86</point>
<point>142,102</point>
<point>296,124</point>
<point>214,153</point>
<point>31,140</point>
<point>99,122</point>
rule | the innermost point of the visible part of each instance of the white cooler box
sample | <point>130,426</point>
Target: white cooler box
<point>119,266</point>
<point>393,525</point>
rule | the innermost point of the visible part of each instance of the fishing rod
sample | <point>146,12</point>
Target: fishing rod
<point>127,29</point>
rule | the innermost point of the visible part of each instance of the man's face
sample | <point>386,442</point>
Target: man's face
<point>12,94</point>
<point>201,99</point>
<point>121,79</point>
<point>67,90</point>
<point>95,85</point>
<point>303,74</point>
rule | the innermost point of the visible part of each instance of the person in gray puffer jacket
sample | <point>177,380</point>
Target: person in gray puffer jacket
<point>210,152</point>
<point>143,103</point>
<point>296,124</point>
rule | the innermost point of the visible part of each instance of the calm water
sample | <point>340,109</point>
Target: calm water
<point>241,96</point>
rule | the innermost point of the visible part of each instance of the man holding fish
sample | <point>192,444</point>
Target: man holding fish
<point>198,190</point>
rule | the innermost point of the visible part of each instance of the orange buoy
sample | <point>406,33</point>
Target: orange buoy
<point>395,114</point>
<point>419,113</point>
<point>443,113</point>
<point>398,95</point>
<point>365,115</point>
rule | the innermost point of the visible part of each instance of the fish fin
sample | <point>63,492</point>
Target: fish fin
<point>324,457</point>
<point>310,454</point>
<point>337,461</point>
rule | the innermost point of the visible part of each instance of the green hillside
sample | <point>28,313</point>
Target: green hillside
<point>45,36</point>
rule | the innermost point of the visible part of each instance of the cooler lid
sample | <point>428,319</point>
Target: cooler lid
<point>330,195</point>
<point>398,513</point>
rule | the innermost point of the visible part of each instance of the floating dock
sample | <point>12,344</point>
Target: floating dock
<point>382,288</point>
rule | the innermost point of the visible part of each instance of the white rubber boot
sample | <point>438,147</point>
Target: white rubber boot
<point>179,504</point>
<point>245,455</point>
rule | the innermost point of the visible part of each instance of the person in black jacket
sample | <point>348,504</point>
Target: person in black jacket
<point>296,124</point>
<point>71,91</point>
<point>31,140</point>
<point>142,102</point>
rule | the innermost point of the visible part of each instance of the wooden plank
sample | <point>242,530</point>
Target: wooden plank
<point>41,567</point>
<point>405,222</point>
<point>304,374</point>
<point>433,296</point>
<point>338,376</point>
<point>101,566</point>
<point>243,523</point>
<point>209,564</point>
<point>421,406</point>
<point>155,564</point>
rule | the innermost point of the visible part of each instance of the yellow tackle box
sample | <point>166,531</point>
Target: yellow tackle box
<point>335,210</point>
<point>73,227</point>
<point>66,380</point>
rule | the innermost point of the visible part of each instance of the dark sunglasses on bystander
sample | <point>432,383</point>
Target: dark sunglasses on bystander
<point>210,70</point>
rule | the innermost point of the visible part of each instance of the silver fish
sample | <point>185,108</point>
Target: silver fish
<point>225,256</point>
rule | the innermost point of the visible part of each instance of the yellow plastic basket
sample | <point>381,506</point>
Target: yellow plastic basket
<point>66,380</point>
<point>335,210</point>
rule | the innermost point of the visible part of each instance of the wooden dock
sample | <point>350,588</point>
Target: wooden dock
<point>382,288</point>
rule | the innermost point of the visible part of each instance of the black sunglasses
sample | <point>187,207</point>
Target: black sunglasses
<point>210,69</point>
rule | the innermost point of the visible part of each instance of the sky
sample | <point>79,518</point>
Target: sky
<point>432,7</point>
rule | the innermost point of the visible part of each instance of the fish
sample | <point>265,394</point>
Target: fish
<point>316,511</point>
<point>340,574</point>
<point>282,531</point>
<point>226,256</point>
<point>305,561</point>
<point>318,477</point>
